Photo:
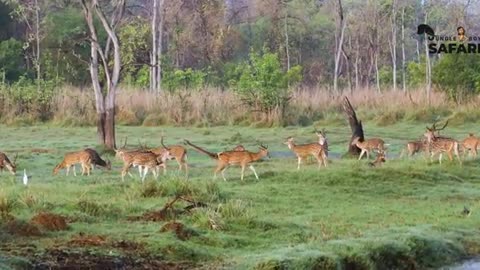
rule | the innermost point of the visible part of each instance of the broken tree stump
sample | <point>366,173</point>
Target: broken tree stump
<point>355,126</point>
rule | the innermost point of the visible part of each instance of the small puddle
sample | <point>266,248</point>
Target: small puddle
<point>473,264</point>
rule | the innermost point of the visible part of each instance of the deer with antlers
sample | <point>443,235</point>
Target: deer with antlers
<point>369,145</point>
<point>143,159</point>
<point>228,158</point>
<point>177,152</point>
<point>302,151</point>
<point>6,163</point>
<point>439,145</point>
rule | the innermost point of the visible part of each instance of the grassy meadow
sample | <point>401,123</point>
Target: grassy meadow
<point>404,215</point>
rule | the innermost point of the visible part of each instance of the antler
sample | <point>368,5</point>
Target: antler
<point>125,143</point>
<point>434,127</point>
<point>164,146</point>
<point>15,158</point>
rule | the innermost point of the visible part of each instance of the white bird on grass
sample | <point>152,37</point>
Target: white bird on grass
<point>25,177</point>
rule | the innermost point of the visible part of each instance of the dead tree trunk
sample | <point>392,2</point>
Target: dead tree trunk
<point>355,126</point>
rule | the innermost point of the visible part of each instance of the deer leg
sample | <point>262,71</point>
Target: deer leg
<point>299,162</point>
<point>361,154</point>
<point>140,170</point>
<point>243,171</point>
<point>126,170</point>
<point>220,167</point>
<point>254,172</point>
<point>145,173</point>
<point>368,154</point>
<point>185,165</point>
<point>74,170</point>
<point>155,174</point>
<point>68,170</point>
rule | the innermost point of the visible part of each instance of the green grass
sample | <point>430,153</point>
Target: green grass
<point>405,214</point>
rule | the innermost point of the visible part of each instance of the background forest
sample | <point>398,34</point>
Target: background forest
<point>283,61</point>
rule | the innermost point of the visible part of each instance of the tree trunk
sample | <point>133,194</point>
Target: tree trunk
<point>394,44</point>
<point>404,79</point>
<point>37,39</point>
<point>428,68</point>
<point>104,98</point>
<point>377,75</point>
<point>355,126</point>
<point>286,38</point>
<point>339,47</point>
<point>357,56</point>
<point>153,68</point>
<point>159,48</point>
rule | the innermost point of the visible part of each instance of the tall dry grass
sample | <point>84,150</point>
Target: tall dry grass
<point>72,106</point>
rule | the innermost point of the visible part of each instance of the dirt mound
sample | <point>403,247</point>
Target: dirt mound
<point>84,240</point>
<point>61,259</point>
<point>127,245</point>
<point>50,221</point>
<point>22,228</point>
<point>179,229</point>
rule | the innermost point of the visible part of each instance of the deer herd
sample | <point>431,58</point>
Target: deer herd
<point>152,159</point>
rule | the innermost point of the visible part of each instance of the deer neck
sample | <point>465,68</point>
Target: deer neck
<point>258,155</point>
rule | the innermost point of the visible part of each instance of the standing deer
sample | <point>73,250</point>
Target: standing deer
<point>143,159</point>
<point>6,163</point>
<point>72,158</point>
<point>322,140</point>
<point>369,145</point>
<point>302,151</point>
<point>471,144</point>
<point>228,158</point>
<point>439,145</point>
<point>414,147</point>
<point>177,152</point>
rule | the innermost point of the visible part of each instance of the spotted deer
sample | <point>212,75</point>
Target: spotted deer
<point>302,151</point>
<point>144,160</point>
<point>177,152</point>
<point>470,145</point>
<point>228,158</point>
<point>5,163</point>
<point>414,147</point>
<point>379,160</point>
<point>439,145</point>
<point>72,158</point>
<point>369,145</point>
<point>322,140</point>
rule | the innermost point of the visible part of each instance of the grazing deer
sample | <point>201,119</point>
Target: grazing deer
<point>302,151</point>
<point>72,158</point>
<point>228,158</point>
<point>6,163</point>
<point>439,145</point>
<point>414,147</point>
<point>96,160</point>
<point>177,152</point>
<point>379,160</point>
<point>369,145</point>
<point>471,144</point>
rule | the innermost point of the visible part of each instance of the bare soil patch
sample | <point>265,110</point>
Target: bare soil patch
<point>49,221</point>
<point>22,228</point>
